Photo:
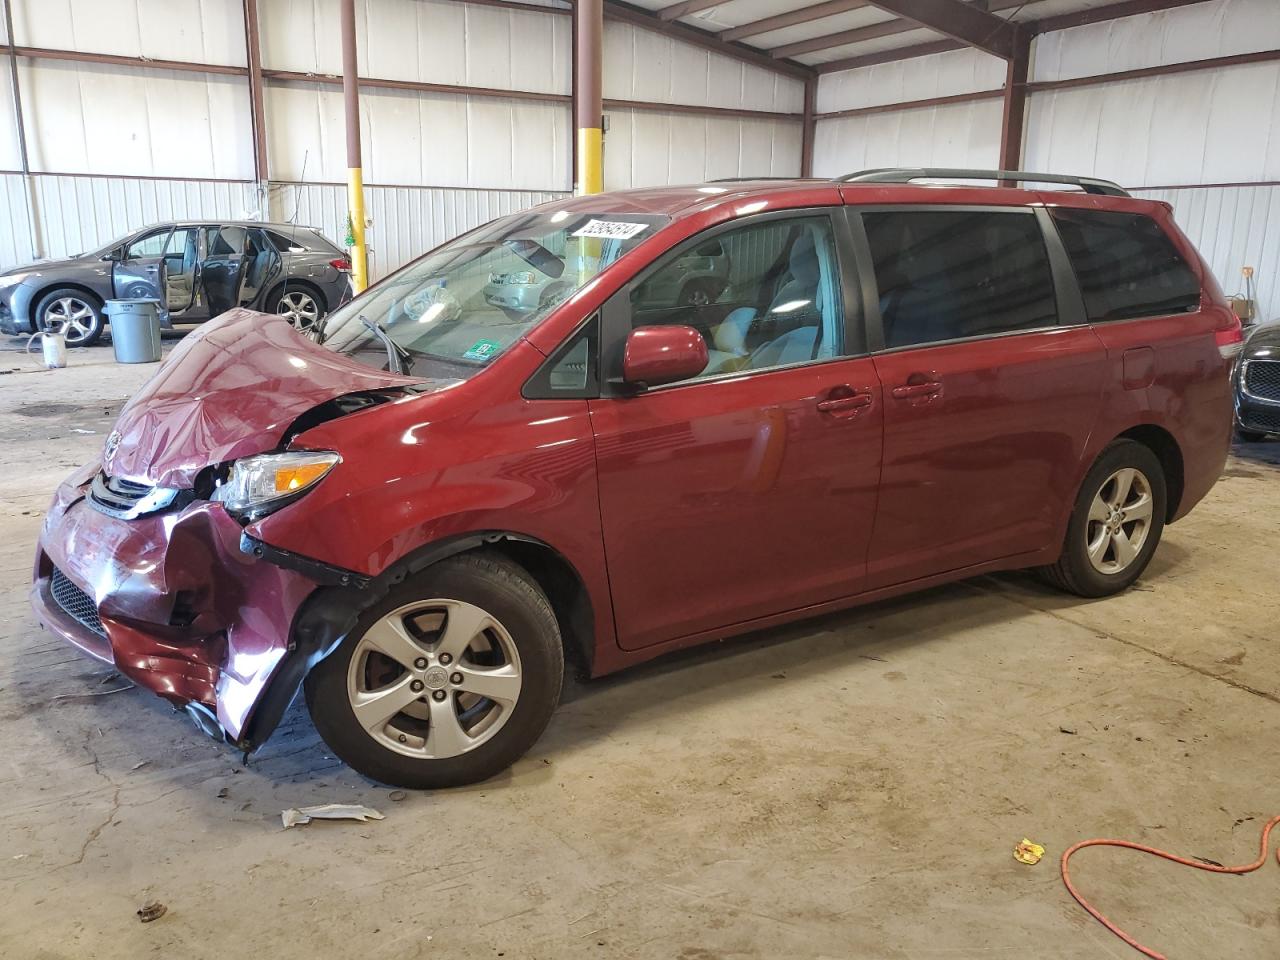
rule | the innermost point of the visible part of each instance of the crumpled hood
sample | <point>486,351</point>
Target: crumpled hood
<point>229,390</point>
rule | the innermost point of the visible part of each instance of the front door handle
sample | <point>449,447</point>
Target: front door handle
<point>917,388</point>
<point>845,405</point>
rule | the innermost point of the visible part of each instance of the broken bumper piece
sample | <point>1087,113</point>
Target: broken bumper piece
<point>173,601</point>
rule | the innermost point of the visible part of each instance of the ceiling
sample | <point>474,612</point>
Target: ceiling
<point>820,33</point>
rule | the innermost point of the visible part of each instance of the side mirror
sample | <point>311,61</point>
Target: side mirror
<point>658,355</point>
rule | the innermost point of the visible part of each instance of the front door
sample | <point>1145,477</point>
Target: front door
<point>749,490</point>
<point>988,398</point>
<point>139,273</point>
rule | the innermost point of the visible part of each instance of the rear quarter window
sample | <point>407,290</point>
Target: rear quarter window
<point>1126,265</point>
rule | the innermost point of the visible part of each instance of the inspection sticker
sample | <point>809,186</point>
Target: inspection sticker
<point>611,229</point>
<point>482,350</point>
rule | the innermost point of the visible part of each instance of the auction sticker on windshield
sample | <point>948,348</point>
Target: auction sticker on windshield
<point>611,229</point>
<point>482,350</point>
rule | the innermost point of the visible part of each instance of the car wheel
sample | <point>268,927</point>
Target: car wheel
<point>1249,436</point>
<point>299,306</point>
<point>77,314</point>
<point>447,680</point>
<point>1116,523</point>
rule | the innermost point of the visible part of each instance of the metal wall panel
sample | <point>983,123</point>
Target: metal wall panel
<point>435,41</point>
<point>957,135</point>
<point>1196,32</point>
<point>435,139</point>
<point>643,65</point>
<point>204,31</point>
<point>131,121</point>
<point>407,221</point>
<point>938,75</point>
<point>647,148</point>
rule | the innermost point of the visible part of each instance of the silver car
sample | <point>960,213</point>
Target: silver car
<point>197,270</point>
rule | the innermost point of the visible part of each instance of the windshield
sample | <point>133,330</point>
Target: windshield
<point>454,311</point>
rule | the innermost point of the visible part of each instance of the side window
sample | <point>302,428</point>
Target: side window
<point>181,241</point>
<point>223,242</point>
<point>282,243</point>
<point>946,275</point>
<point>1125,265</point>
<point>762,295</point>
<point>148,245</point>
<point>572,370</point>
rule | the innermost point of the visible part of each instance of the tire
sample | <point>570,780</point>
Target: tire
<point>300,303</point>
<point>1249,436</point>
<point>517,636</point>
<point>1101,573</point>
<point>77,312</point>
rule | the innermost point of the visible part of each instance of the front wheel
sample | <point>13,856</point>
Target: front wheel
<point>76,314</point>
<point>448,680</point>
<point>1116,523</point>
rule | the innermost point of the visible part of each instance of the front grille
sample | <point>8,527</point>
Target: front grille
<point>1262,379</point>
<point>75,602</point>
<point>1262,421</point>
<point>127,500</point>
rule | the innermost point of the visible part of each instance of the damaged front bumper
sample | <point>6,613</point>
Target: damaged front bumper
<point>176,603</point>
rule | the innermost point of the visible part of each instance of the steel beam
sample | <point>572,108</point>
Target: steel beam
<point>588,96</point>
<point>677,10</point>
<point>355,166</point>
<point>942,101</point>
<point>1014,117</point>
<point>818,11</point>
<point>636,16</point>
<point>965,22</point>
<point>889,56</point>
<point>1115,11</point>
<point>257,110</point>
<point>809,133</point>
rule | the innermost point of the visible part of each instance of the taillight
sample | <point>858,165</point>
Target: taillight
<point>341,263</point>
<point>1231,339</point>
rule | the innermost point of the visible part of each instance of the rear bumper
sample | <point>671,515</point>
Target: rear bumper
<point>181,610</point>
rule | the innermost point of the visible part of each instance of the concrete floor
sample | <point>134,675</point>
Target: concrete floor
<point>848,787</point>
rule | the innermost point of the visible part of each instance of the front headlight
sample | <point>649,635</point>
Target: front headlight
<point>259,485</point>
<point>12,280</point>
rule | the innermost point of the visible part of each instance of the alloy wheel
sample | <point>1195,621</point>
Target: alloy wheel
<point>73,316</point>
<point>300,309</point>
<point>434,679</point>
<point>1119,521</point>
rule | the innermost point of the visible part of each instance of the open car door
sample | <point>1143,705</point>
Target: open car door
<point>139,271</point>
<point>223,267</point>
<point>263,265</point>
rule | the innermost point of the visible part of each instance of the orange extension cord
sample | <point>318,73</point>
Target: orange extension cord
<point>1129,845</point>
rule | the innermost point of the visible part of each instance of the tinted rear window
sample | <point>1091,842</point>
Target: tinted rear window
<point>946,275</point>
<point>1126,265</point>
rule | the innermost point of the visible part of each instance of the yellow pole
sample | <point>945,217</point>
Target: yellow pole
<point>355,204</point>
<point>590,160</point>
<point>355,168</point>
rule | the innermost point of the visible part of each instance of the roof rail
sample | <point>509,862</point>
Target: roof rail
<point>907,174</point>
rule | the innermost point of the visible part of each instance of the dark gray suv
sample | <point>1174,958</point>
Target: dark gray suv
<point>196,269</point>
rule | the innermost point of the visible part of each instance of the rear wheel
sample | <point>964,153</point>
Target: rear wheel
<point>78,315</point>
<point>447,680</point>
<point>299,305</point>
<point>1116,523</point>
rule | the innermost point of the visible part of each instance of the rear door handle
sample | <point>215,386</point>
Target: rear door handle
<point>907,391</point>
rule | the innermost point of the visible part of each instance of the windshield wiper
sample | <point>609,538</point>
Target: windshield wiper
<point>397,356</point>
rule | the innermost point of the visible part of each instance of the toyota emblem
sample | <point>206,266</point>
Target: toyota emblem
<point>113,444</point>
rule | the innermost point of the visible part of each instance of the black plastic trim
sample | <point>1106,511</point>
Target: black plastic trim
<point>323,573</point>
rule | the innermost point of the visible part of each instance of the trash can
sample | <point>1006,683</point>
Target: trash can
<point>135,330</point>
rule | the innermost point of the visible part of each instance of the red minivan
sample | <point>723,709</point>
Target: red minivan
<point>420,510</point>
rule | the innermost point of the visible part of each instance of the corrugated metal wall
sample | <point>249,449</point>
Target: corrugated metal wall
<point>1192,129</point>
